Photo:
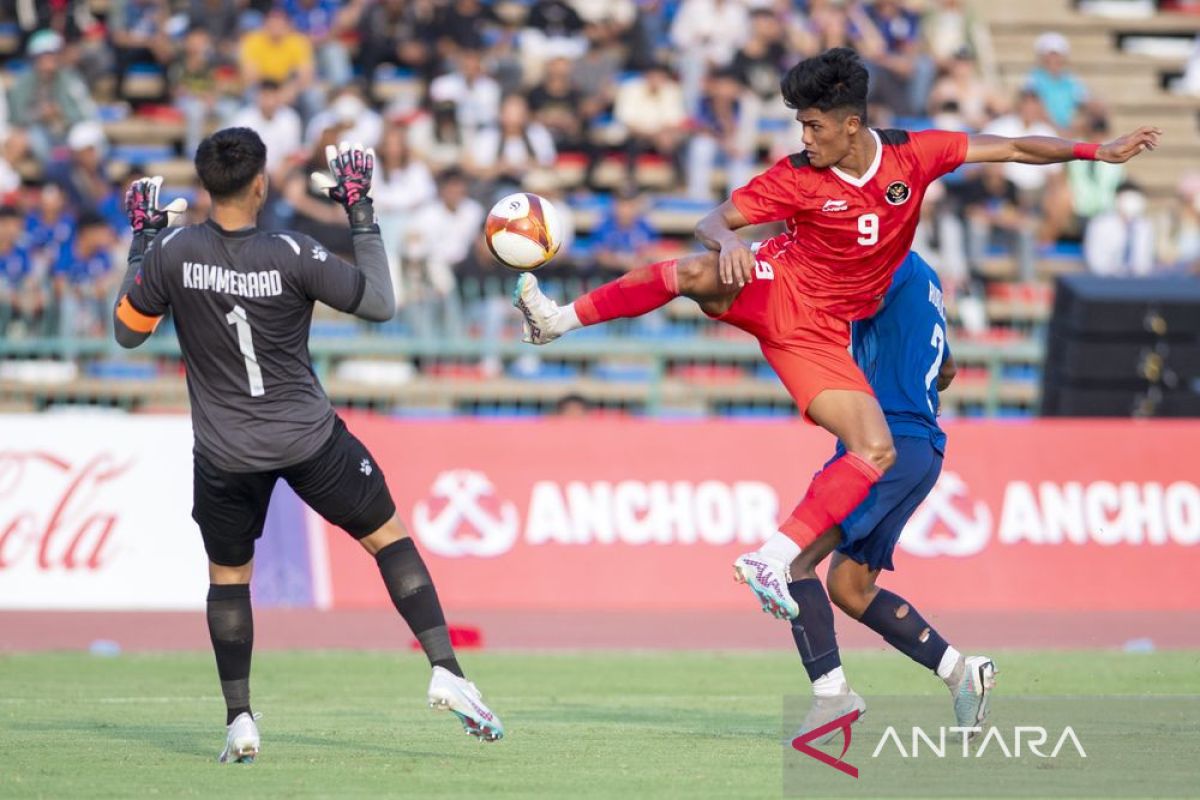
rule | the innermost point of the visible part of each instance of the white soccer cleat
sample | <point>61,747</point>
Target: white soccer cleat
<point>825,710</point>
<point>448,692</point>
<point>540,312</point>
<point>241,740</point>
<point>768,578</point>
<point>972,692</point>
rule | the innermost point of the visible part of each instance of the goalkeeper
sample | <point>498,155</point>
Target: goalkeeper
<point>242,301</point>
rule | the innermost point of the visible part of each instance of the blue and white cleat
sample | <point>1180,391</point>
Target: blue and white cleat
<point>241,740</point>
<point>448,692</point>
<point>541,313</point>
<point>972,691</point>
<point>768,579</point>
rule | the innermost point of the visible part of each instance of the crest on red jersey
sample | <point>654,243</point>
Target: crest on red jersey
<point>897,193</point>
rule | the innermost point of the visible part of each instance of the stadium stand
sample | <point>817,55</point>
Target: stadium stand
<point>602,108</point>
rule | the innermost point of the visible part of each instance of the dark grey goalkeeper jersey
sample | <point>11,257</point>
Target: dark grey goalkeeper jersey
<point>242,303</point>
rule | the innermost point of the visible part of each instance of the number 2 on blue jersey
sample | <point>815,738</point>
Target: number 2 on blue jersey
<point>939,345</point>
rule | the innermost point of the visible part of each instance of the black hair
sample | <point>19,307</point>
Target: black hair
<point>451,174</point>
<point>9,212</point>
<point>229,160</point>
<point>91,219</point>
<point>834,80</point>
<point>572,397</point>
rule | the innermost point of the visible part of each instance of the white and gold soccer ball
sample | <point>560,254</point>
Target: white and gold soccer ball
<point>523,231</point>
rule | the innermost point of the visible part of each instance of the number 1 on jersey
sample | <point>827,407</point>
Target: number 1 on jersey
<point>868,226</point>
<point>237,317</point>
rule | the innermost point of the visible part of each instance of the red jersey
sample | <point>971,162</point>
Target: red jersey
<point>846,236</point>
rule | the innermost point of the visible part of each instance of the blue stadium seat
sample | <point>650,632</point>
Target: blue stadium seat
<point>773,125</point>
<point>754,412</point>
<point>112,112</point>
<point>122,370</point>
<point>334,329</point>
<point>913,123</point>
<point>681,204</point>
<point>623,372</point>
<point>598,202</point>
<point>142,153</point>
<point>542,371</point>
<point>1072,251</point>
<point>417,412</point>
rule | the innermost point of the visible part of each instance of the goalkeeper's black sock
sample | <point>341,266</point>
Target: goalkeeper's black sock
<point>413,594</point>
<point>231,629</point>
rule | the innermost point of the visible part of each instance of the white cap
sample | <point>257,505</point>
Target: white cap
<point>43,42</point>
<point>348,108</point>
<point>86,134</point>
<point>1052,42</point>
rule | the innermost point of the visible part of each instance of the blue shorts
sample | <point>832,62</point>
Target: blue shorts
<point>870,533</point>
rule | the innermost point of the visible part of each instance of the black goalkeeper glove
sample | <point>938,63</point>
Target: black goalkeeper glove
<point>141,205</point>
<point>349,183</point>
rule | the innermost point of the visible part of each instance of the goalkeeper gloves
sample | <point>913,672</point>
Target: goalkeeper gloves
<point>141,205</point>
<point>349,183</point>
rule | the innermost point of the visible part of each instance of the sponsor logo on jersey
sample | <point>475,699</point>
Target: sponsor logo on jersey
<point>835,205</point>
<point>319,253</point>
<point>897,193</point>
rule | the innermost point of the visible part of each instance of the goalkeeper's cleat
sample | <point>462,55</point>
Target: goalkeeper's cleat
<point>241,740</point>
<point>768,579</point>
<point>825,710</point>
<point>540,312</point>
<point>448,692</point>
<point>971,686</point>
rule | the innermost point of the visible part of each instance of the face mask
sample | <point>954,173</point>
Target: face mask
<point>1130,204</point>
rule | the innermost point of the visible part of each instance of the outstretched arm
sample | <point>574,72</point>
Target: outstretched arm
<point>351,169</point>
<point>1052,150</point>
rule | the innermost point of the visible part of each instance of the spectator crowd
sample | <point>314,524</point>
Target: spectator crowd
<point>600,105</point>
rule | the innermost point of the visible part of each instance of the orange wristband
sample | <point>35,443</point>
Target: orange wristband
<point>1083,151</point>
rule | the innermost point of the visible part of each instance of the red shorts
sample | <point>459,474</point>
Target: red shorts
<point>808,348</point>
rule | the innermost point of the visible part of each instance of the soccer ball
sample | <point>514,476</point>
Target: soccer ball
<point>523,231</point>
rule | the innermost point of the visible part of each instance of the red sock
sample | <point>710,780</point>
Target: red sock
<point>834,493</point>
<point>637,292</point>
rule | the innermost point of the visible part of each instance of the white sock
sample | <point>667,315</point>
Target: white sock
<point>831,683</point>
<point>780,546</point>
<point>947,664</point>
<point>567,319</point>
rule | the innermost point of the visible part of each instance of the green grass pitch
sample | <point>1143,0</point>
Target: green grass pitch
<point>354,724</point>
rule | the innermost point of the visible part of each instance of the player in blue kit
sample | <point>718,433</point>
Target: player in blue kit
<point>904,354</point>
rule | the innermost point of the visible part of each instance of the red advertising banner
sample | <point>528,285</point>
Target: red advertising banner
<point>629,514</point>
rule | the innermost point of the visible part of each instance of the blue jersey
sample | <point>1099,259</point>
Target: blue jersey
<point>82,270</point>
<point>901,350</point>
<point>14,266</point>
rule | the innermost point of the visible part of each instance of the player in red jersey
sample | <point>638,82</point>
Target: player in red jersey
<point>851,201</point>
